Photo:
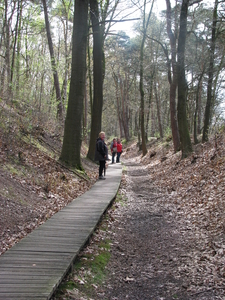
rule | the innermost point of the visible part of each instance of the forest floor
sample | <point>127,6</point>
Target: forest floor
<point>164,236</point>
<point>33,183</point>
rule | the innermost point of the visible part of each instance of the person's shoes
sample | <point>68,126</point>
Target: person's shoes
<point>101,177</point>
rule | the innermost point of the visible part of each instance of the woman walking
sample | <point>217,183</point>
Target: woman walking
<point>101,153</point>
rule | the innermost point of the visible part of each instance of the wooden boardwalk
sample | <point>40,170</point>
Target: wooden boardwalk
<point>33,268</point>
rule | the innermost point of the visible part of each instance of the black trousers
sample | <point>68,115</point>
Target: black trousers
<point>101,167</point>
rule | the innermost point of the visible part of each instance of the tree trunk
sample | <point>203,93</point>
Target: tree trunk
<point>124,106</point>
<point>136,127</point>
<point>18,51</point>
<point>66,6</point>
<point>53,63</point>
<point>158,106</point>
<point>15,40</point>
<point>85,115</point>
<point>6,86</point>
<point>149,102</point>
<point>89,76</point>
<point>115,77</point>
<point>200,105</point>
<point>27,53</point>
<point>73,128</point>
<point>196,114</point>
<point>182,85</point>
<point>142,108</point>
<point>173,115</point>
<point>172,81</point>
<point>153,119</point>
<point>65,81</point>
<point>96,120</point>
<point>210,77</point>
<point>7,51</point>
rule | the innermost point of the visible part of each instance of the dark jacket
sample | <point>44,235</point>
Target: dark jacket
<point>101,151</point>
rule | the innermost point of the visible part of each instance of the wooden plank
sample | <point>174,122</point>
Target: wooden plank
<point>37,272</point>
<point>24,278</point>
<point>29,245</point>
<point>33,268</point>
<point>28,287</point>
<point>33,265</point>
<point>23,296</point>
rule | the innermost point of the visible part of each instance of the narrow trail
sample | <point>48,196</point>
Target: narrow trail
<point>165,231</point>
<point>149,248</point>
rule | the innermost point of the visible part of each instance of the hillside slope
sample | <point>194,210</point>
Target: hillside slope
<point>33,184</point>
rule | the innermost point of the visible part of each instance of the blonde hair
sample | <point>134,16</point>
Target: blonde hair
<point>101,133</point>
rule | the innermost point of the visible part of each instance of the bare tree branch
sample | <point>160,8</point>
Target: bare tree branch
<point>195,2</point>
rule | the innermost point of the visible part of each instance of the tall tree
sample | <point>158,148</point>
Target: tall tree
<point>172,78</point>
<point>158,107</point>
<point>18,55</point>
<point>73,128</point>
<point>182,84</point>
<point>122,105</point>
<point>6,40</point>
<point>64,13</point>
<point>96,118</point>
<point>198,95</point>
<point>142,108</point>
<point>99,10</point>
<point>53,63</point>
<point>210,76</point>
<point>150,96</point>
<point>18,18</point>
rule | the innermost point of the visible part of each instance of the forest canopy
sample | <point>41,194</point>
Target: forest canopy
<point>163,78</point>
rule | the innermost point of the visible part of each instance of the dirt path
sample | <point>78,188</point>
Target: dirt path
<point>166,235</point>
<point>149,248</point>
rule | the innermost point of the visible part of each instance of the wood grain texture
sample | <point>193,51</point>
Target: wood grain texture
<point>33,268</point>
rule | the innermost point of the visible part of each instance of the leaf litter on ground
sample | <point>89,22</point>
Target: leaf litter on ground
<point>189,194</point>
<point>34,186</point>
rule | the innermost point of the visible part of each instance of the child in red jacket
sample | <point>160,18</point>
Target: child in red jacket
<point>119,150</point>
